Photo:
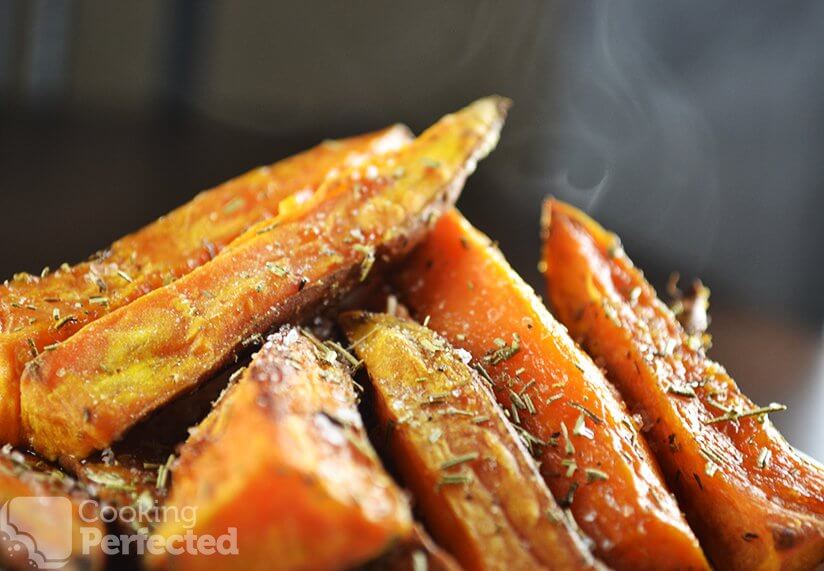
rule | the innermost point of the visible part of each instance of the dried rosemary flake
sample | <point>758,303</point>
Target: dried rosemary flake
<point>764,458</point>
<point>234,205</point>
<point>571,467</point>
<point>515,418</point>
<point>594,474</point>
<point>277,269</point>
<point>480,419</point>
<point>454,479</point>
<point>163,472</point>
<point>516,400</point>
<point>63,321</point>
<point>581,429</point>
<point>267,228</point>
<point>569,448</point>
<point>125,276</point>
<point>109,480</point>
<point>435,435</point>
<point>484,374</point>
<point>368,259</point>
<point>457,460</point>
<point>503,351</point>
<point>99,300</point>
<point>681,390</point>
<point>430,163</point>
<point>346,355</point>
<point>592,416</point>
<point>452,411</point>
<point>759,411</point>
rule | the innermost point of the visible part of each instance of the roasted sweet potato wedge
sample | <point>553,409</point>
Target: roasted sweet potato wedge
<point>479,492</point>
<point>83,395</point>
<point>37,312</point>
<point>284,460</point>
<point>37,538</point>
<point>754,501</point>
<point>590,453</point>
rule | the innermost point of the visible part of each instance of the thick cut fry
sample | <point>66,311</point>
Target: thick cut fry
<point>37,312</point>
<point>284,460</point>
<point>85,393</point>
<point>477,489</point>
<point>38,529</point>
<point>590,453</point>
<point>754,501</point>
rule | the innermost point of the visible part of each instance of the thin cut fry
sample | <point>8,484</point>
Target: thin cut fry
<point>38,312</point>
<point>285,461</point>
<point>87,392</point>
<point>591,455</point>
<point>753,500</point>
<point>477,489</point>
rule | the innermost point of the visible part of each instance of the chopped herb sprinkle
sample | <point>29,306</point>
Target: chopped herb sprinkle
<point>735,415</point>
<point>457,460</point>
<point>593,474</point>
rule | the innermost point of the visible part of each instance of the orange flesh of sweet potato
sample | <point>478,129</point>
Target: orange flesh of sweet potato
<point>753,500</point>
<point>21,476</point>
<point>87,392</point>
<point>285,460</point>
<point>478,491</point>
<point>590,453</point>
<point>36,312</point>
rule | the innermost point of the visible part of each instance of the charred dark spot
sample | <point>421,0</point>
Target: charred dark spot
<point>464,243</point>
<point>750,536</point>
<point>302,283</point>
<point>785,537</point>
<point>698,481</point>
<point>429,263</point>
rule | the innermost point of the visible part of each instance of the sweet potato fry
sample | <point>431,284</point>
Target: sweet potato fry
<point>284,460</point>
<point>479,492</point>
<point>37,312</point>
<point>753,500</point>
<point>88,391</point>
<point>38,534</point>
<point>589,450</point>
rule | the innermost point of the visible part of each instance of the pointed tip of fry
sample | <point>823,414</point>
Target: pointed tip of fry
<point>555,210</point>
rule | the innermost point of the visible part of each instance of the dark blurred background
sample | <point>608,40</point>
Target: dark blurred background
<point>694,129</point>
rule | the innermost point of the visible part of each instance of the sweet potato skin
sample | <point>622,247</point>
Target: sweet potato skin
<point>445,424</point>
<point>460,281</point>
<point>36,312</point>
<point>87,392</point>
<point>753,500</point>
<point>284,459</point>
<point>23,476</point>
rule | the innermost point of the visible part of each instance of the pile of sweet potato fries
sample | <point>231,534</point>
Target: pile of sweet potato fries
<point>326,357</point>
